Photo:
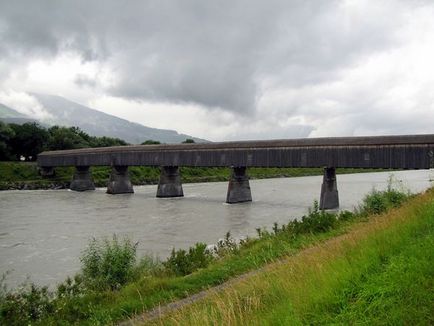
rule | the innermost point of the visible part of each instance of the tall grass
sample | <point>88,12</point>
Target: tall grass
<point>108,264</point>
<point>381,273</point>
<point>377,202</point>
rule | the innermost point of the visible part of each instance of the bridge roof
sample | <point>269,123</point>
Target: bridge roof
<point>409,151</point>
<point>250,144</point>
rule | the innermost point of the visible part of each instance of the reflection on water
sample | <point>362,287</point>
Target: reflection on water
<point>42,232</point>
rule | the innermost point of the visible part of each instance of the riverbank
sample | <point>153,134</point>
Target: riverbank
<point>25,175</point>
<point>379,272</point>
<point>89,299</point>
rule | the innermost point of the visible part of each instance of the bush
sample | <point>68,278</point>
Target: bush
<point>148,266</point>
<point>346,216</point>
<point>108,264</point>
<point>377,202</point>
<point>315,221</point>
<point>29,303</point>
<point>374,203</point>
<point>71,287</point>
<point>182,262</point>
<point>225,246</point>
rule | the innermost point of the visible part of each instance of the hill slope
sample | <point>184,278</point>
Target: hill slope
<point>68,113</point>
<point>9,115</point>
<point>64,112</point>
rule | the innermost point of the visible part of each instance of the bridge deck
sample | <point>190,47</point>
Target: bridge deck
<point>411,151</point>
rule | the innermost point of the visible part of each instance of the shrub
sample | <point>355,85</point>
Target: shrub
<point>29,303</point>
<point>346,216</point>
<point>374,203</point>
<point>149,266</point>
<point>71,287</point>
<point>108,264</point>
<point>226,246</point>
<point>182,262</point>
<point>314,222</point>
<point>377,202</point>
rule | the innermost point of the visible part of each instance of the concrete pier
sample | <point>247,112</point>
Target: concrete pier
<point>329,190</point>
<point>170,182</point>
<point>119,182</point>
<point>239,186</point>
<point>82,179</point>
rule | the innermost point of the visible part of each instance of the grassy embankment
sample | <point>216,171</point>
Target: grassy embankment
<point>106,291</point>
<point>379,273</point>
<point>19,175</point>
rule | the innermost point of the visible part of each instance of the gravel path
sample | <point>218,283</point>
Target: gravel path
<point>159,311</point>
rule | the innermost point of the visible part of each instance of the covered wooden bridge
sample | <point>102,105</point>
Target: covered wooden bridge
<point>394,152</point>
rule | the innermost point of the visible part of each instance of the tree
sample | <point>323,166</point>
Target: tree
<point>6,134</point>
<point>67,138</point>
<point>151,142</point>
<point>106,142</point>
<point>188,141</point>
<point>29,140</point>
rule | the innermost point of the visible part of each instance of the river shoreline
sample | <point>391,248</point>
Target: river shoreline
<point>25,175</point>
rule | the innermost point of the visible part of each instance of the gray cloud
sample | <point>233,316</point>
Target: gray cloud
<point>84,81</point>
<point>224,55</point>
<point>208,53</point>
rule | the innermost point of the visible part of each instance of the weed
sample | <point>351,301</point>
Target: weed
<point>108,264</point>
<point>377,202</point>
<point>148,266</point>
<point>182,262</point>
<point>71,287</point>
<point>226,246</point>
<point>26,305</point>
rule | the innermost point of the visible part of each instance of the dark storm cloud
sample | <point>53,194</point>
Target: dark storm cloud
<point>218,54</point>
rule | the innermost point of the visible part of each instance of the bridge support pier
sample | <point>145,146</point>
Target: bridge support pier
<point>82,179</point>
<point>119,182</point>
<point>170,182</point>
<point>329,190</point>
<point>239,186</point>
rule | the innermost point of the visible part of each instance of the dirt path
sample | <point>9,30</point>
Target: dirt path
<point>160,311</point>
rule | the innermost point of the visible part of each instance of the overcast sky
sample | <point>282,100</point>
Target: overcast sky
<point>225,70</point>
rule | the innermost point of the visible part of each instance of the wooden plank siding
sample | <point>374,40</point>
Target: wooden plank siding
<point>403,152</point>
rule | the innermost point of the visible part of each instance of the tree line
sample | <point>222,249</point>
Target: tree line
<point>25,141</point>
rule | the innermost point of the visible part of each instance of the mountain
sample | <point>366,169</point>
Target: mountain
<point>9,115</point>
<point>64,112</point>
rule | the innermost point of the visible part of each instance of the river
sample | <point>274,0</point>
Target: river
<point>43,232</point>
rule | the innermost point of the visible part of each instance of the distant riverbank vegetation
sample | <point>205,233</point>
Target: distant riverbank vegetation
<point>26,141</point>
<point>25,175</point>
<point>373,281</point>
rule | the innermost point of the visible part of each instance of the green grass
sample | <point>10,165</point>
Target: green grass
<point>399,290</point>
<point>16,175</point>
<point>380,273</point>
